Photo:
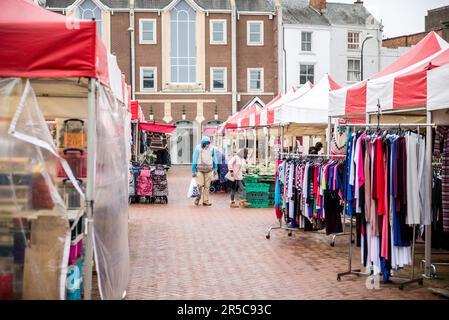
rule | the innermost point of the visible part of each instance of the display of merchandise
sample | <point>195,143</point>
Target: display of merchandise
<point>77,160</point>
<point>339,139</point>
<point>74,134</point>
<point>260,169</point>
<point>388,193</point>
<point>150,183</point>
<point>156,140</point>
<point>308,192</point>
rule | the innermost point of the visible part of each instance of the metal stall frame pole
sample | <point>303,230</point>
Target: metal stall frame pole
<point>329,136</point>
<point>255,146</point>
<point>267,141</point>
<point>428,229</point>
<point>282,139</point>
<point>90,188</point>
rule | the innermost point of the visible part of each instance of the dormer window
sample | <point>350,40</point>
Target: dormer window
<point>88,10</point>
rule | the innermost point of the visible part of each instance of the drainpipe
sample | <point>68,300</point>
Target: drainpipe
<point>281,49</point>
<point>131,30</point>
<point>234,55</point>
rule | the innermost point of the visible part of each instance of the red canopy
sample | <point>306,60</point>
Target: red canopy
<point>157,127</point>
<point>399,86</point>
<point>37,43</point>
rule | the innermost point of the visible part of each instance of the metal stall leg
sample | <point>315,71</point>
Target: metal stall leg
<point>350,271</point>
<point>90,192</point>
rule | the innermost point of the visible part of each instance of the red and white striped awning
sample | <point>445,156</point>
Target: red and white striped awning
<point>265,117</point>
<point>402,85</point>
<point>438,88</point>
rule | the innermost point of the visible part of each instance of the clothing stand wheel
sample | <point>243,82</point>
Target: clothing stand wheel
<point>280,226</point>
<point>350,271</point>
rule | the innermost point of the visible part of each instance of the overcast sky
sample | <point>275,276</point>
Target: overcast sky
<point>400,17</point>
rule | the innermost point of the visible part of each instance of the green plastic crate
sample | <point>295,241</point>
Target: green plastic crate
<point>257,187</point>
<point>257,196</point>
<point>259,204</point>
<point>251,179</point>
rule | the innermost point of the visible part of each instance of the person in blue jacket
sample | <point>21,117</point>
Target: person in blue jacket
<point>204,166</point>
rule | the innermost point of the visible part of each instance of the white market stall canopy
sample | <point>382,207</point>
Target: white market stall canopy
<point>310,108</point>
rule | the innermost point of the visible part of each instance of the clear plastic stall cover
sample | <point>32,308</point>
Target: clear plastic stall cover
<point>34,227</point>
<point>111,196</point>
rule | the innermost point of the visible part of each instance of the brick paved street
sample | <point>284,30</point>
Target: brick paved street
<point>179,251</point>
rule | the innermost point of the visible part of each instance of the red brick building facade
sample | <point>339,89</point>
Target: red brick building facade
<point>225,53</point>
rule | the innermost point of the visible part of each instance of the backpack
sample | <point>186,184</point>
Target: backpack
<point>205,161</point>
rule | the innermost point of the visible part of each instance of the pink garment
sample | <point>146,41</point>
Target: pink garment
<point>237,165</point>
<point>360,167</point>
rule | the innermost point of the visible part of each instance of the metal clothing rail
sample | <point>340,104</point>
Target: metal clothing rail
<point>358,272</point>
<point>286,227</point>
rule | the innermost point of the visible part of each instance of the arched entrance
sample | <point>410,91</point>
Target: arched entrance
<point>182,142</point>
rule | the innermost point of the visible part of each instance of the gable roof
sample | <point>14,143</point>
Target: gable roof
<point>145,4</point>
<point>348,14</point>
<point>255,5</point>
<point>299,12</point>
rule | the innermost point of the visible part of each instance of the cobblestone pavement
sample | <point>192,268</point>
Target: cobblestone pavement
<point>179,251</point>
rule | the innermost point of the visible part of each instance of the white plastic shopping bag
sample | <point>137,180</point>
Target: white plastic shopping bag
<point>193,189</point>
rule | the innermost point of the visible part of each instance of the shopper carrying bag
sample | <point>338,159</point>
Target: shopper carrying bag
<point>204,167</point>
<point>236,166</point>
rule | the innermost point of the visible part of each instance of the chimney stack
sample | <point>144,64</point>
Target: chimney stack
<point>359,2</point>
<point>318,5</point>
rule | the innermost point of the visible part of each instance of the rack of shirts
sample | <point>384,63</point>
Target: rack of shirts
<point>308,192</point>
<point>388,192</point>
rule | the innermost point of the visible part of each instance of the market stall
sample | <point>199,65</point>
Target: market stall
<point>438,106</point>
<point>56,204</point>
<point>396,98</point>
<point>148,176</point>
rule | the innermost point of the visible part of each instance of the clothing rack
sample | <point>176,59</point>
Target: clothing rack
<point>358,272</point>
<point>433,272</point>
<point>286,227</point>
<point>298,155</point>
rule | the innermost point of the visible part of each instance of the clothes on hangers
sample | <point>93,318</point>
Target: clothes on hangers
<point>308,192</point>
<point>388,191</point>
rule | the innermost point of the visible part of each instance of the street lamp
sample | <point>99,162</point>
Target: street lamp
<point>368,36</point>
<point>151,113</point>
<point>183,112</point>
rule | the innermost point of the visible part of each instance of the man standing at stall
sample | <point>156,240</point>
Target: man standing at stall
<point>204,166</point>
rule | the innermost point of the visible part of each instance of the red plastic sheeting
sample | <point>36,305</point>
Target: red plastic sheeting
<point>37,43</point>
<point>157,127</point>
<point>134,110</point>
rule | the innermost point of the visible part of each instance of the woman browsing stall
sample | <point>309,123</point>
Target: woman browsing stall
<point>236,166</point>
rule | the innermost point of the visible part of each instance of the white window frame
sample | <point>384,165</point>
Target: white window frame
<point>225,79</point>
<point>353,70</point>
<point>248,84</point>
<point>311,42</point>
<point>211,32</point>
<point>248,40</point>
<point>142,69</point>
<point>353,43</point>
<point>141,40</point>
<point>299,72</point>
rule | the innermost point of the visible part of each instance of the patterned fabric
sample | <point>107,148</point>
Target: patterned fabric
<point>444,136</point>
